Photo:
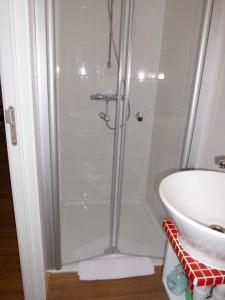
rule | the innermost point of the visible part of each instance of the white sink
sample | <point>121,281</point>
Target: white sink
<point>195,200</point>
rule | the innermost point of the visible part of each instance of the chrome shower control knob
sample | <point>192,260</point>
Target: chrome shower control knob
<point>139,116</point>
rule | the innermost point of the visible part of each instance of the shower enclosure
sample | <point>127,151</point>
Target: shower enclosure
<point>121,75</point>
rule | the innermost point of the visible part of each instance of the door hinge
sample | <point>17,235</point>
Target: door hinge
<point>10,119</point>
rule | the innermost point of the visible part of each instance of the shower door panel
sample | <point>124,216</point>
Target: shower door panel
<point>165,38</point>
<point>85,144</point>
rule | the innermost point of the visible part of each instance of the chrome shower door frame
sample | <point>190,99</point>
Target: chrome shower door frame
<point>53,132</point>
<point>203,43</point>
<point>121,113</point>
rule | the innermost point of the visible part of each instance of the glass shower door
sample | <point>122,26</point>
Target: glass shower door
<point>165,39</point>
<point>85,143</point>
<point>121,117</point>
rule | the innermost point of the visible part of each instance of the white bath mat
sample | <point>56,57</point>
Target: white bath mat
<point>115,267</point>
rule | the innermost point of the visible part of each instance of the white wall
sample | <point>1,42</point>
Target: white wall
<point>165,42</point>
<point>85,143</point>
<point>209,139</point>
<point>177,59</point>
<point>146,47</point>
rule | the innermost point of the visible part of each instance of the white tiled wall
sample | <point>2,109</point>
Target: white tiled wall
<point>177,59</point>
<point>164,52</point>
<point>209,138</point>
<point>146,46</point>
<point>85,143</point>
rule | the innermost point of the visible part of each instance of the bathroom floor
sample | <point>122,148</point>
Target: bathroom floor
<point>138,232</point>
<point>67,286</point>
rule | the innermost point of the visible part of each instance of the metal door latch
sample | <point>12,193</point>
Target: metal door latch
<point>10,119</point>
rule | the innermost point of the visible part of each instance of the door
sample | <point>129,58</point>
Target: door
<point>17,92</point>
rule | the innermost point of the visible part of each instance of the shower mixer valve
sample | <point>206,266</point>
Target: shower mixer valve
<point>104,97</point>
<point>107,98</point>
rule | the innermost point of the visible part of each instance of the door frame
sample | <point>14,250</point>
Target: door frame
<point>18,90</point>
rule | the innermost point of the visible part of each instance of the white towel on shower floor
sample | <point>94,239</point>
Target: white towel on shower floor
<point>115,267</point>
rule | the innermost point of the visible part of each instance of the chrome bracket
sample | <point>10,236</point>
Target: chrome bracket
<point>220,161</point>
<point>10,119</point>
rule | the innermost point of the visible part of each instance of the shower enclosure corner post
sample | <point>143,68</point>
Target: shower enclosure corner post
<point>118,151</point>
<point>50,33</point>
<point>205,28</point>
<point>128,44</point>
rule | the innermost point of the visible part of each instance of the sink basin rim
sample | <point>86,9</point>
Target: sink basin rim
<point>180,214</point>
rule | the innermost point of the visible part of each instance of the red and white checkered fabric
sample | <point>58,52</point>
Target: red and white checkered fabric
<point>198,273</point>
